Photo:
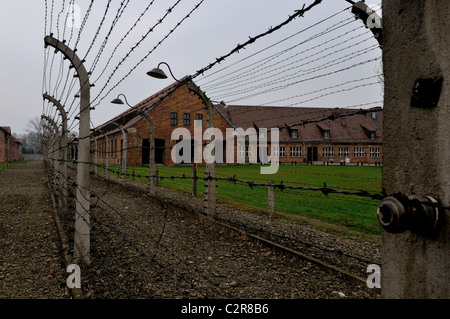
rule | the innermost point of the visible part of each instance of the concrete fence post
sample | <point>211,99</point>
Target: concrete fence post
<point>107,175</point>
<point>194,179</point>
<point>54,150</point>
<point>64,148</point>
<point>124,155</point>
<point>96,156</point>
<point>82,218</point>
<point>416,55</point>
<point>211,198</point>
<point>271,199</point>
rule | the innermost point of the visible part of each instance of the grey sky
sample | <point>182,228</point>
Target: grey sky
<point>210,32</point>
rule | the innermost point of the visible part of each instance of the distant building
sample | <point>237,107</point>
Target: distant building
<point>10,147</point>
<point>353,139</point>
<point>316,135</point>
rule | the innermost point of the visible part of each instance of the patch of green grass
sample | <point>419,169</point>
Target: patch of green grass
<point>7,165</point>
<point>354,212</point>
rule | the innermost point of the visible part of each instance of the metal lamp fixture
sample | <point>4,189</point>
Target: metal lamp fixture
<point>119,101</point>
<point>158,73</point>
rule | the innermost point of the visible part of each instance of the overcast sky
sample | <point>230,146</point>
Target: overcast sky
<point>210,32</point>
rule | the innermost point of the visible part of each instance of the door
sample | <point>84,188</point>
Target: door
<point>312,155</point>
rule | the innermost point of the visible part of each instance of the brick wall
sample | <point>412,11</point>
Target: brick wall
<point>3,146</point>
<point>10,148</point>
<point>180,102</point>
<point>183,102</point>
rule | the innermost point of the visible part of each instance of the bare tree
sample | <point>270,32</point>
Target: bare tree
<point>35,135</point>
<point>380,75</point>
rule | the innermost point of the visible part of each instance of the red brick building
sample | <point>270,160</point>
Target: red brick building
<point>171,108</point>
<point>310,134</point>
<point>10,147</point>
<point>351,139</point>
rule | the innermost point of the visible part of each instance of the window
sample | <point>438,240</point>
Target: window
<point>374,115</point>
<point>373,135</point>
<point>346,152</point>
<point>173,118</point>
<point>331,151</point>
<point>326,134</point>
<point>199,116</point>
<point>356,153</point>
<point>241,151</point>
<point>293,151</point>
<point>341,152</point>
<point>325,152</point>
<point>282,151</point>
<point>375,152</point>
<point>362,152</point>
<point>275,151</point>
<point>299,151</point>
<point>113,150</point>
<point>249,151</point>
<point>187,119</point>
<point>262,134</point>
<point>294,134</point>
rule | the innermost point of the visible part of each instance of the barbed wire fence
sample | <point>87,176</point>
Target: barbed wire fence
<point>129,249</point>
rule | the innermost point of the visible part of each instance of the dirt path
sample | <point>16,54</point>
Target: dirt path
<point>30,260</point>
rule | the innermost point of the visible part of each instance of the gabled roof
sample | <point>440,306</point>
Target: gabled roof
<point>310,122</point>
<point>132,115</point>
<point>73,140</point>
<point>6,129</point>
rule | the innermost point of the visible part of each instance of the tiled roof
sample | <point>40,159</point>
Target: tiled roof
<point>131,116</point>
<point>6,129</point>
<point>342,129</point>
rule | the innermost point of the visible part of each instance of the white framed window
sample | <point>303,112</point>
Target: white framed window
<point>341,152</point>
<point>362,152</point>
<point>325,152</point>
<point>282,151</point>
<point>294,134</point>
<point>326,134</point>
<point>249,151</point>
<point>377,152</point>
<point>299,151</point>
<point>241,151</point>
<point>356,152</point>
<point>346,152</point>
<point>372,152</point>
<point>293,151</point>
<point>275,151</point>
<point>331,151</point>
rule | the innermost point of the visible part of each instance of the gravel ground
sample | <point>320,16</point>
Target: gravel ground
<point>30,259</point>
<point>147,248</point>
<point>334,245</point>
<point>165,252</point>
